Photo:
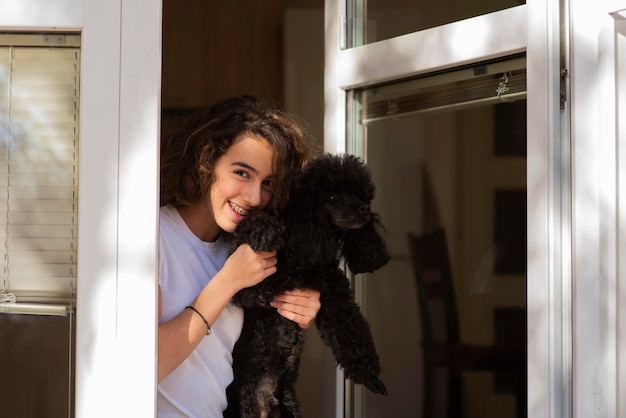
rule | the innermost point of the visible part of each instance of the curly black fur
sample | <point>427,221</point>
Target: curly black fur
<point>328,218</point>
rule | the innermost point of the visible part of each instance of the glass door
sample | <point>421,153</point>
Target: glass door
<point>448,153</point>
<point>460,125</point>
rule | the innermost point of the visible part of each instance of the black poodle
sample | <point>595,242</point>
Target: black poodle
<point>328,219</point>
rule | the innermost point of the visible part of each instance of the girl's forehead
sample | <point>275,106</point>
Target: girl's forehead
<point>252,151</point>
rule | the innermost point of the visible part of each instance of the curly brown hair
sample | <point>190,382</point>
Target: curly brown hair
<point>188,155</point>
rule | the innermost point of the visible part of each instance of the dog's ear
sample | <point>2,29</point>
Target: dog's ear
<point>365,249</point>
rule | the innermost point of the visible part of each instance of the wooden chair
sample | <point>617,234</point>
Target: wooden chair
<point>446,358</point>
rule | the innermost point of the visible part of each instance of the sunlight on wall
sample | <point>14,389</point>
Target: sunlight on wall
<point>25,14</point>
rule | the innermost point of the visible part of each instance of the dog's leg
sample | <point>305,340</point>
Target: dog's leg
<point>240,393</point>
<point>260,359</point>
<point>290,406</point>
<point>345,330</point>
<point>251,394</point>
<point>266,401</point>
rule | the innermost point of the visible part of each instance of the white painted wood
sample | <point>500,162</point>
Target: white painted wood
<point>620,137</point>
<point>96,345</point>
<point>138,191</point>
<point>116,348</point>
<point>483,37</point>
<point>334,95</point>
<point>597,101</point>
<point>548,270</point>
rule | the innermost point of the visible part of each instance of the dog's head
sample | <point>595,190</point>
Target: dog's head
<point>336,192</point>
<point>340,186</point>
<point>346,211</point>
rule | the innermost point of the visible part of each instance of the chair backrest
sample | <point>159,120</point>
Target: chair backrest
<point>435,288</point>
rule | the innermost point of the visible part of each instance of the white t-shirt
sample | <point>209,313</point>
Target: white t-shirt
<point>197,388</point>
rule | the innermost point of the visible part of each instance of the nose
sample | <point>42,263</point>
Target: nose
<point>364,209</point>
<point>252,194</point>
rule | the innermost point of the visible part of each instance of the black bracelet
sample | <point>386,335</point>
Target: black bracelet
<point>208,327</point>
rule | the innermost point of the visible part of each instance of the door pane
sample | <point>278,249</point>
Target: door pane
<point>454,178</point>
<point>384,19</point>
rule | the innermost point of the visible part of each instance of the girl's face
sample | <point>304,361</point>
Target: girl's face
<point>242,183</point>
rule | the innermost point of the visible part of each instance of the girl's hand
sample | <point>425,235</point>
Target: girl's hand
<point>299,305</point>
<point>246,267</point>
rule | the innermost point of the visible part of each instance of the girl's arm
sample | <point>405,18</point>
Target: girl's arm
<point>178,337</point>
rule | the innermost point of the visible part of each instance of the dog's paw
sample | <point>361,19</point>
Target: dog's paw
<point>262,231</point>
<point>375,385</point>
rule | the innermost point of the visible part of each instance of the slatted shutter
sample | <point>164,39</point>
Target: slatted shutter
<point>39,102</point>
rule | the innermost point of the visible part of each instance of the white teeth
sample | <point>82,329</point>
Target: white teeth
<point>237,209</point>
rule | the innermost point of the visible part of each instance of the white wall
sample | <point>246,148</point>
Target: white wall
<point>118,194</point>
<point>596,73</point>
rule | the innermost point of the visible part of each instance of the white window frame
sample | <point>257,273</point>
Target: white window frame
<point>598,97</point>
<point>39,177</point>
<point>618,88</point>
<point>533,28</point>
<point>576,180</point>
<point>118,195</point>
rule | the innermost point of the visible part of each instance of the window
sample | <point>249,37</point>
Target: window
<point>39,94</point>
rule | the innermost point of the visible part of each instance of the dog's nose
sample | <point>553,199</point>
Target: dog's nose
<point>364,209</point>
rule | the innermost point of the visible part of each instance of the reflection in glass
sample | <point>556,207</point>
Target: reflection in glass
<point>384,19</point>
<point>453,177</point>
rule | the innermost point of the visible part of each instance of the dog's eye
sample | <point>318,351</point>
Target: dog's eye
<point>332,197</point>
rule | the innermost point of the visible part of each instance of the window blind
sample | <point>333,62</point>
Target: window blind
<point>39,105</point>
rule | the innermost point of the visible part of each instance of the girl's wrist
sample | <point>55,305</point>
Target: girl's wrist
<point>224,285</point>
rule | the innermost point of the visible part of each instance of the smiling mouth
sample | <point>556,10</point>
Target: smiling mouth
<point>238,209</point>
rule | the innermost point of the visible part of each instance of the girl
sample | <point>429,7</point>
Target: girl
<point>234,159</point>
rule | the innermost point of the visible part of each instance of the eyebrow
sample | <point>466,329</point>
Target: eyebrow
<point>249,167</point>
<point>244,165</point>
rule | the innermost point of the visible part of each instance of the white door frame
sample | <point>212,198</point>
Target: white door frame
<point>117,197</point>
<point>598,95</point>
<point>533,28</point>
